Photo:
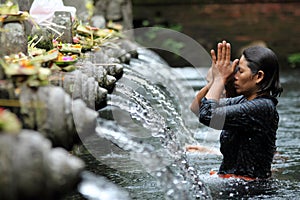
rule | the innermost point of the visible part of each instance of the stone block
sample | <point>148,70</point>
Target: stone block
<point>13,39</point>
<point>64,20</point>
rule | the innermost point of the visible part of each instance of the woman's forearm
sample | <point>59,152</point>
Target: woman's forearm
<point>197,100</point>
<point>216,90</point>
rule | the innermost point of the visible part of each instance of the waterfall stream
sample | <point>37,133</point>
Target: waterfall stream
<point>142,129</point>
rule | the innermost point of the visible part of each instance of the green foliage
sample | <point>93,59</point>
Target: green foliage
<point>294,59</point>
<point>151,36</point>
<point>174,45</point>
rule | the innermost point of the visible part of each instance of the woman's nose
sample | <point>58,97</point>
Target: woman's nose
<point>235,77</point>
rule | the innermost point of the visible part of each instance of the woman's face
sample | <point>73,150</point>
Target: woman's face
<point>244,80</point>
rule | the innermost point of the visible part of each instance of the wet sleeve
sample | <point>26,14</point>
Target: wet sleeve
<point>246,115</point>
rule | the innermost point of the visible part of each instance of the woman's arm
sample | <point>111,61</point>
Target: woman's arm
<point>197,100</point>
<point>244,115</point>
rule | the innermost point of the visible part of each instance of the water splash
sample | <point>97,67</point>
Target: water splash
<point>149,66</point>
<point>177,180</point>
<point>99,188</point>
<point>155,109</point>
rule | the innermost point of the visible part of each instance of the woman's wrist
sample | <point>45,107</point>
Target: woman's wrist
<point>216,89</point>
<point>219,80</point>
<point>209,84</point>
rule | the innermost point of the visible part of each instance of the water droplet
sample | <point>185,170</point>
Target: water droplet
<point>191,169</point>
<point>170,192</point>
<point>200,183</point>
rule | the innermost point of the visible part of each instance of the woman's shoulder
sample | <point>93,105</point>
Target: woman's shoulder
<point>233,100</point>
<point>265,104</point>
<point>266,99</point>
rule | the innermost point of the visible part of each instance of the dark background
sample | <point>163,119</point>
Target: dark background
<point>271,23</point>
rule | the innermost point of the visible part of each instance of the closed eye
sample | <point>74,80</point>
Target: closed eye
<point>237,69</point>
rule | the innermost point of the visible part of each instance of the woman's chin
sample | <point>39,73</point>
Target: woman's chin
<point>237,91</point>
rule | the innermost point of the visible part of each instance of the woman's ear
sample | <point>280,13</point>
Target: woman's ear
<point>260,76</point>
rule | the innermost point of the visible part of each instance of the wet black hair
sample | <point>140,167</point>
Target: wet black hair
<point>262,58</point>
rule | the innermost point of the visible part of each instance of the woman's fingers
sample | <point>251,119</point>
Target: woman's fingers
<point>234,64</point>
<point>224,50</point>
<point>228,53</point>
<point>213,56</point>
<point>219,51</point>
<point>223,66</point>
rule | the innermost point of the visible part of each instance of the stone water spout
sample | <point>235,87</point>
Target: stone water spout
<point>52,112</point>
<point>81,86</point>
<point>31,169</point>
<point>90,82</point>
<point>105,75</point>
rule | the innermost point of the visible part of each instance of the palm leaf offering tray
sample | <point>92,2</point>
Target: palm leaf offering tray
<point>9,12</point>
<point>115,26</point>
<point>93,31</point>
<point>21,16</point>
<point>65,60</point>
<point>37,66</point>
<point>23,67</point>
<point>46,56</point>
<point>9,8</point>
<point>62,55</point>
<point>69,48</point>
<point>90,37</point>
<point>21,70</point>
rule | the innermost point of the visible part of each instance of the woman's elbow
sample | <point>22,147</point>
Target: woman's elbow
<point>204,120</point>
<point>195,109</point>
<point>211,122</point>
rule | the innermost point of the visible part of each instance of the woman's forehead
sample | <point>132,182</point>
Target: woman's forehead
<point>243,61</point>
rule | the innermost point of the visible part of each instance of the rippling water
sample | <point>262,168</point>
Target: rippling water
<point>140,147</point>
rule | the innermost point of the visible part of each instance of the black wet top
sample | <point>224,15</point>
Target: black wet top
<point>248,133</point>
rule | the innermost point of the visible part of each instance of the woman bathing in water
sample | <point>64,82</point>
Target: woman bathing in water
<point>248,121</point>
